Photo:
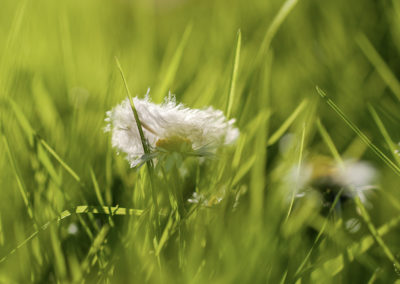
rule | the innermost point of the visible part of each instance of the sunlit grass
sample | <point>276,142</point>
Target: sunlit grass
<point>305,81</point>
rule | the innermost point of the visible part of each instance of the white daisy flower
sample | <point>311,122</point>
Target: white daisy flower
<point>168,127</point>
<point>355,178</point>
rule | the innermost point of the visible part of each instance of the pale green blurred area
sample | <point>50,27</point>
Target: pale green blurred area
<point>58,64</point>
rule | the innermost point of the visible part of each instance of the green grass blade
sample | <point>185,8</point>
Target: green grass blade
<point>380,65</point>
<point>60,161</point>
<point>299,161</point>
<point>257,172</point>
<point>59,261</point>
<point>43,100</point>
<point>329,269</point>
<point>9,51</point>
<point>169,75</point>
<point>355,149</point>
<point>165,235</point>
<point>138,123</point>
<point>95,247</point>
<point>98,194</point>
<point>283,280</point>
<point>108,175</point>
<point>232,89</point>
<point>285,10</point>
<point>44,159</point>
<point>360,134</point>
<point>31,136</point>
<point>48,165</point>
<point>357,249</point>
<point>82,209</point>
<point>288,122</point>
<point>367,219</point>
<point>23,122</point>
<point>320,234</point>
<point>146,149</point>
<point>329,142</point>
<point>385,133</point>
<point>244,169</point>
<point>21,185</point>
<point>366,242</point>
<point>1,231</point>
<point>96,187</point>
<point>108,210</point>
<point>240,145</point>
<point>374,276</point>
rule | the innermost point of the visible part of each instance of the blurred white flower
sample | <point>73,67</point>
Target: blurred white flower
<point>168,126</point>
<point>355,178</point>
<point>196,198</point>
<point>202,200</point>
<point>73,229</point>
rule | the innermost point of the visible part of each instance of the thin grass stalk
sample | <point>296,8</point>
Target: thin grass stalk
<point>146,149</point>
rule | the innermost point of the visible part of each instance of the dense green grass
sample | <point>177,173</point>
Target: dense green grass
<point>71,209</point>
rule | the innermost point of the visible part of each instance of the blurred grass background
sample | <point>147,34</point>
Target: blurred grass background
<point>58,77</point>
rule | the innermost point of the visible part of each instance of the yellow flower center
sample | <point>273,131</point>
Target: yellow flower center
<point>174,144</point>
